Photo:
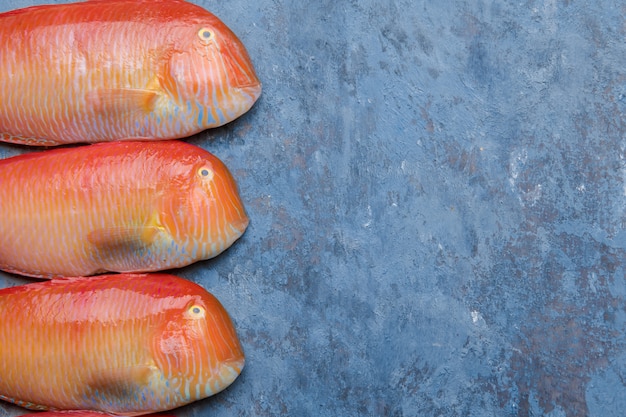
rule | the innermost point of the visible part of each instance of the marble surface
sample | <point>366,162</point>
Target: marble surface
<point>437,194</point>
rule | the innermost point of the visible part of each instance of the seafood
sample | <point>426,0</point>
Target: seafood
<point>80,414</point>
<point>105,70</point>
<point>122,344</point>
<point>117,206</point>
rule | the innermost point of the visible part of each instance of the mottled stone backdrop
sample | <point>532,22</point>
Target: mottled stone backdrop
<point>437,194</point>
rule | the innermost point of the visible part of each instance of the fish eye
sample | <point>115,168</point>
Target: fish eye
<point>205,172</point>
<point>205,35</point>
<point>196,311</point>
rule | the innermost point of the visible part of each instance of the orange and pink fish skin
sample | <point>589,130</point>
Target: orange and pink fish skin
<point>121,344</point>
<point>118,207</point>
<point>81,413</point>
<point>105,70</point>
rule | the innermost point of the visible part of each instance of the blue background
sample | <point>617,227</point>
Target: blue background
<point>437,194</point>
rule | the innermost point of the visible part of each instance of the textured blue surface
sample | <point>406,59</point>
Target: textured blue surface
<point>437,194</point>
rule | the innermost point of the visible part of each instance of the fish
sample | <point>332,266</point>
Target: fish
<point>123,344</point>
<point>115,207</point>
<point>80,413</point>
<point>108,70</point>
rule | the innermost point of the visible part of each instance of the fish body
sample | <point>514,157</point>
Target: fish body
<point>105,70</point>
<point>117,206</point>
<point>79,413</point>
<point>122,344</point>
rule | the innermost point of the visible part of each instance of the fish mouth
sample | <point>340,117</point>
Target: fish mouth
<point>234,230</point>
<point>242,74</point>
<point>252,84</point>
<point>240,225</point>
<point>252,90</point>
<point>234,366</point>
<point>229,371</point>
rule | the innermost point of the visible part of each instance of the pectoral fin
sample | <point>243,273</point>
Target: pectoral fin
<point>121,385</point>
<point>123,248</point>
<point>129,239</point>
<point>116,100</point>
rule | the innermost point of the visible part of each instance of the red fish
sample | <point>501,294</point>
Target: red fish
<point>121,344</point>
<point>106,70</point>
<point>119,206</point>
<point>80,414</point>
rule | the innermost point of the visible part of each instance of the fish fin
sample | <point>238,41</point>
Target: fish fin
<point>23,140</point>
<point>117,247</point>
<point>34,274</point>
<point>117,100</point>
<point>122,384</point>
<point>25,404</point>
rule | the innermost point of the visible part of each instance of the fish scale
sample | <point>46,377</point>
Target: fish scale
<point>107,70</point>
<point>119,206</point>
<point>122,344</point>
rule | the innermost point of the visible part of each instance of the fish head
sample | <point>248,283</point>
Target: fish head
<point>203,209</point>
<point>196,347</point>
<point>210,73</point>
